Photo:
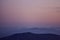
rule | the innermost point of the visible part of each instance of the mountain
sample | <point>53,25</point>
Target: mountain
<point>31,36</point>
<point>9,31</point>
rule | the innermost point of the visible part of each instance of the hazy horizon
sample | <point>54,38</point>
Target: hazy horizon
<point>20,14</point>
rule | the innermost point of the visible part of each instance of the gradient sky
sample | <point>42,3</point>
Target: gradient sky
<point>20,15</point>
<point>30,13</point>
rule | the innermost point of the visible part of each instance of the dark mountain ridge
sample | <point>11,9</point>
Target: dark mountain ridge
<point>32,36</point>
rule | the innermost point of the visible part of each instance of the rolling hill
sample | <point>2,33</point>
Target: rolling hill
<point>31,36</point>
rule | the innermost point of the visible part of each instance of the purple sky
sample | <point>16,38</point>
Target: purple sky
<point>30,13</point>
<point>16,14</point>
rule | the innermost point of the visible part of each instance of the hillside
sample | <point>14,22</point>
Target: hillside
<point>31,36</point>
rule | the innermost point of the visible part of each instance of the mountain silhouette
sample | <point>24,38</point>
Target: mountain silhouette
<point>31,36</point>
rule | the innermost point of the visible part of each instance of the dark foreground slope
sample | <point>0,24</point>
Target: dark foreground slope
<point>32,36</point>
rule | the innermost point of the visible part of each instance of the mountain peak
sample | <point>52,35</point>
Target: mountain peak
<point>28,33</point>
<point>32,36</point>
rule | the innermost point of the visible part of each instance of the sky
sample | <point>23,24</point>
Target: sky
<point>29,14</point>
